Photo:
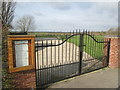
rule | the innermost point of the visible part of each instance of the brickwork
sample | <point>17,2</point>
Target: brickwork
<point>24,79</point>
<point>106,47</point>
<point>114,60</point>
<point>114,57</point>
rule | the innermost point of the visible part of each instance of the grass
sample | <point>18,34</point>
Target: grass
<point>46,36</point>
<point>91,47</point>
<point>60,37</point>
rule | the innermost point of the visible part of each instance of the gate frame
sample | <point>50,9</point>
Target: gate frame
<point>81,39</point>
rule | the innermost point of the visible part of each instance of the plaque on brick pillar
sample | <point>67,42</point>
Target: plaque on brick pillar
<point>21,52</point>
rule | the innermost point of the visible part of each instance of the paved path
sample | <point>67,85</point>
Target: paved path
<point>104,78</point>
<point>68,53</point>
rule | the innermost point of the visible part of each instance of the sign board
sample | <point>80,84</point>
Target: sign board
<point>21,52</point>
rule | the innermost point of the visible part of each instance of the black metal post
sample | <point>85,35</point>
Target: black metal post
<point>80,52</point>
<point>35,68</point>
<point>108,52</point>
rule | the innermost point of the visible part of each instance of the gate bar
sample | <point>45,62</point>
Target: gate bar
<point>80,51</point>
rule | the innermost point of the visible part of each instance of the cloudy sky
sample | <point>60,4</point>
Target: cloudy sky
<point>68,16</point>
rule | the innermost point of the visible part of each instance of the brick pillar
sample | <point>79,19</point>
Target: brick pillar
<point>106,47</point>
<point>114,59</point>
<point>114,56</point>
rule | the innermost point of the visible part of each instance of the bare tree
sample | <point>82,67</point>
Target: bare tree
<point>25,23</point>
<point>6,17</point>
<point>113,31</point>
<point>7,12</point>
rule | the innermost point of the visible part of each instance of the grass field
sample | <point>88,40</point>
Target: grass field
<point>91,47</point>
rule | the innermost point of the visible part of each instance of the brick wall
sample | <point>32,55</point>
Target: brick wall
<point>24,79</point>
<point>114,58</point>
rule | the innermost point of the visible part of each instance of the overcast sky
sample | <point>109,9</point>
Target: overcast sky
<point>68,16</point>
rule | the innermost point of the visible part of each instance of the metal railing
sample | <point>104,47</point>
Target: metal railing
<point>69,56</point>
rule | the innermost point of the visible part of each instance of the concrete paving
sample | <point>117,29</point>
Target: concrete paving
<point>103,78</point>
<point>65,52</point>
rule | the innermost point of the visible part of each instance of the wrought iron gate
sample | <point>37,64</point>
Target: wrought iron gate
<point>68,56</point>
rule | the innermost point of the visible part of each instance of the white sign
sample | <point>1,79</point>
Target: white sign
<point>21,53</point>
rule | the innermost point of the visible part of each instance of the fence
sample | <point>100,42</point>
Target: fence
<point>69,55</point>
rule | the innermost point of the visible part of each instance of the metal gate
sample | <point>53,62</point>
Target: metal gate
<point>66,56</point>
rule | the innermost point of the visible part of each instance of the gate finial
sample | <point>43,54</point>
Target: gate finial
<point>79,31</point>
